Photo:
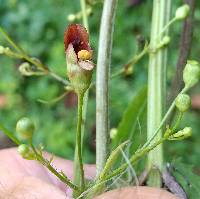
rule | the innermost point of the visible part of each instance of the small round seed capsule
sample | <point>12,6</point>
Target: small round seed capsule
<point>23,150</point>
<point>113,133</point>
<point>182,12</point>
<point>25,128</point>
<point>183,102</point>
<point>191,73</point>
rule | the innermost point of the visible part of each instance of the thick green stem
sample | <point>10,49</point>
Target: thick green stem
<point>156,87</point>
<point>102,91</point>
<point>78,164</point>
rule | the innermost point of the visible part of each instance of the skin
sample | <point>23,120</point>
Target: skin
<point>27,179</point>
<point>137,193</point>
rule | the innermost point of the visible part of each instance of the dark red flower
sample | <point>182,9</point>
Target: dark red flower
<point>78,57</point>
<point>77,35</point>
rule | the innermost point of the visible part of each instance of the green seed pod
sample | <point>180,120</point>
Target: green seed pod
<point>23,150</point>
<point>183,102</point>
<point>25,128</point>
<point>182,134</point>
<point>191,73</point>
<point>182,12</point>
<point>113,133</point>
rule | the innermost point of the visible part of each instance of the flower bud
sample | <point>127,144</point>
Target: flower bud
<point>113,133</point>
<point>183,102</point>
<point>25,128</point>
<point>182,12</point>
<point>166,40</point>
<point>2,49</point>
<point>191,73</point>
<point>182,134</point>
<point>71,17</point>
<point>23,150</point>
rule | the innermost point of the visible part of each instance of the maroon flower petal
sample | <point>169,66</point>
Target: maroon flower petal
<point>77,35</point>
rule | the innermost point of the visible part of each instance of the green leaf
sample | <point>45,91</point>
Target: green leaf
<point>127,126</point>
<point>111,160</point>
<point>185,175</point>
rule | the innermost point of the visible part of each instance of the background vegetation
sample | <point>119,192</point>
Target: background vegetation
<point>38,27</point>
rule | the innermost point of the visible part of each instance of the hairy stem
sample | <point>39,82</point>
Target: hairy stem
<point>102,91</point>
<point>63,178</point>
<point>156,87</point>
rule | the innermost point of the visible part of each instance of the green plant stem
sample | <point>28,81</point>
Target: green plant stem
<point>102,78</point>
<point>47,164</point>
<point>22,55</point>
<point>156,88</point>
<point>79,172</point>
<point>58,78</point>
<point>166,116</point>
<point>132,61</point>
<point>9,39</point>
<point>179,117</point>
<point>84,14</point>
<point>135,158</point>
<point>41,159</point>
<point>9,134</point>
<point>167,26</point>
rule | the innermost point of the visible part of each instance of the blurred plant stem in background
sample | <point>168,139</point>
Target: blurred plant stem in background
<point>157,87</point>
<point>102,81</point>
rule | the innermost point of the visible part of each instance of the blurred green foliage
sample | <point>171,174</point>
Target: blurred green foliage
<point>38,27</point>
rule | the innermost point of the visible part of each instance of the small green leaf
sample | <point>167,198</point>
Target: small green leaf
<point>111,159</point>
<point>130,117</point>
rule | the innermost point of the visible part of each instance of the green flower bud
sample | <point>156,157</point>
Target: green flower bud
<point>2,49</point>
<point>191,73</point>
<point>25,128</point>
<point>183,102</point>
<point>23,150</point>
<point>128,70</point>
<point>182,12</point>
<point>71,17</point>
<point>166,40</point>
<point>113,133</point>
<point>182,134</point>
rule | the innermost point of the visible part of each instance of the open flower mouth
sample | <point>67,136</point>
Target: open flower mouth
<point>77,47</point>
<point>77,36</point>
